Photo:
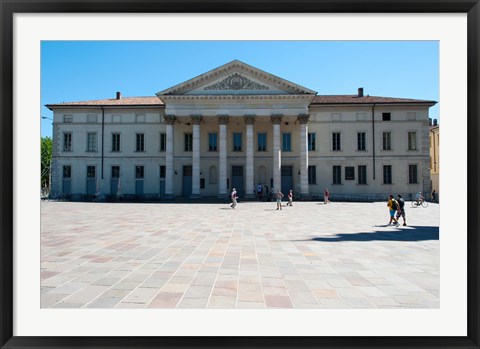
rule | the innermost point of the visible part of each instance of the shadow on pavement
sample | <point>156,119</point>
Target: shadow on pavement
<point>410,233</point>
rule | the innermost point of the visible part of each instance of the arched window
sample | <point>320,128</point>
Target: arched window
<point>212,175</point>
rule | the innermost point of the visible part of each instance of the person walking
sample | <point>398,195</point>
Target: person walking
<point>434,196</point>
<point>401,209</point>
<point>392,208</point>
<point>290,198</point>
<point>326,196</point>
<point>259,191</point>
<point>234,197</point>
<point>266,193</point>
<point>279,200</point>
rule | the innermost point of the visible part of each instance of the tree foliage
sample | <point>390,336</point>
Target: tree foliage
<point>46,149</point>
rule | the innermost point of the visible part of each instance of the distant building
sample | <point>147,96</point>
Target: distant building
<point>238,126</point>
<point>434,155</point>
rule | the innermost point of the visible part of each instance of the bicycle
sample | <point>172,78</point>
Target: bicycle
<point>418,203</point>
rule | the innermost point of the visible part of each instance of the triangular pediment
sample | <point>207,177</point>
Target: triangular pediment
<point>236,78</point>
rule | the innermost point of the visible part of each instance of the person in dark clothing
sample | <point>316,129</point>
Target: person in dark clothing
<point>401,209</point>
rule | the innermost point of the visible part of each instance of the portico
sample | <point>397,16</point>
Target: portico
<point>238,102</point>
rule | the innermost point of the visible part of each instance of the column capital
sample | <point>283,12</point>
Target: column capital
<point>303,118</point>
<point>249,119</point>
<point>196,119</point>
<point>276,118</point>
<point>222,119</point>
<point>169,119</point>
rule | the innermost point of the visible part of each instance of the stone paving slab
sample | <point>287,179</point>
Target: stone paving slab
<point>201,256</point>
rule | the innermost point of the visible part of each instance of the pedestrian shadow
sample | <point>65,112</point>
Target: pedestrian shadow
<point>410,233</point>
<point>225,208</point>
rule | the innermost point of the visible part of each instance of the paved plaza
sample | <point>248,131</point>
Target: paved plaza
<point>205,255</point>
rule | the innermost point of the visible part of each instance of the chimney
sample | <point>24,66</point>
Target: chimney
<point>119,95</point>
<point>430,122</point>
<point>360,92</point>
<point>434,122</point>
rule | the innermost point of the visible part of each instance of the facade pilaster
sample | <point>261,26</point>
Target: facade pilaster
<point>249,183</point>
<point>277,153</point>
<point>303,121</point>
<point>222,156</point>
<point>196,120</point>
<point>169,121</point>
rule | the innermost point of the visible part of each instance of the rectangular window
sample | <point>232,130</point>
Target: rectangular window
<point>202,183</point>
<point>140,142</point>
<point>312,141</point>
<point>68,119</point>
<point>361,141</point>
<point>362,174</point>
<point>286,142</point>
<point>237,142</point>
<point>139,172</point>
<point>349,173</point>
<point>67,141</point>
<point>115,171</point>
<point>412,140</point>
<point>412,174</point>
<point>92,118</point>
<point>90,172</point>
<point>140,118</point>
<point>116,142</point>
<point>336,145</point>
<point>262,142</point>
<point>337,174</point>
<point>386,116</point>
<point>67,172</point>
<point>162,171</point>
<point>91,141</point>
<point>188,142</point>
<point>312,174</point>
<point>387,174</point>
<point>163,142</point>
<point>387,143</point>
<point>212,142</point>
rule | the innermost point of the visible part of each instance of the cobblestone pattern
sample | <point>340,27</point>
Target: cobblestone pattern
<point>341,255</point>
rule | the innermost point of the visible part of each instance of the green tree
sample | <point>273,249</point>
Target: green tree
<point>46,149</point>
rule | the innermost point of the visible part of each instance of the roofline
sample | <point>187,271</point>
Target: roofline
<point>89,106</point>
<point>431,103</point>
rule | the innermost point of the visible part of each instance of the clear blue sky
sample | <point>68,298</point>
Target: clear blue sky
<point>83,70</point>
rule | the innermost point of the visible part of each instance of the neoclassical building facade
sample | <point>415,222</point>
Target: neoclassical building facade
<point>238,126</point>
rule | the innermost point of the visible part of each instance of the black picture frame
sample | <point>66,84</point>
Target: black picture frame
<point>10,7</point>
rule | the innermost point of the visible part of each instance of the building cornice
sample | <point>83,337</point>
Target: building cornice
<point>215,98</point>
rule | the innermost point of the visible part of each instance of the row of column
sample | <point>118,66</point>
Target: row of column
<point>249,180</point>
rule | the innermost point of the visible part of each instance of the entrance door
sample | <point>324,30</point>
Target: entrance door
<point>91,180</point>
<point>237,179</point>
<point>187,181</point>
<point>287,179</point>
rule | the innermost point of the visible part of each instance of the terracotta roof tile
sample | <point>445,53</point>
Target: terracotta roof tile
<point>354,99</point>
<point>124,101</point>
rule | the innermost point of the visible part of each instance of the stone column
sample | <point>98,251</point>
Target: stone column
<point>169,121</point>
<point>222,156</point>
<point>277,153</point>
<point>303,120</point>
<point>249,182</point>
<point>196,119</point>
